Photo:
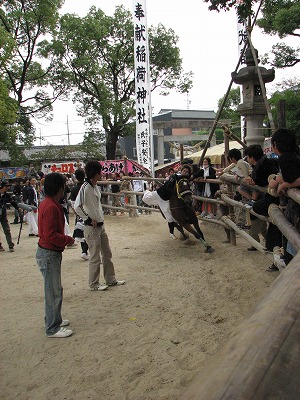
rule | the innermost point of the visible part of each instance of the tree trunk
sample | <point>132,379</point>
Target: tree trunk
<point>111,145</point>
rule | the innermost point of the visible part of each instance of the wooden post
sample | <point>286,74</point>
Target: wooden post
<point>281,114</point>
<point>181,152</point>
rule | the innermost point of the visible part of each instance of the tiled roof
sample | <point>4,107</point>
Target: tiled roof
<point>190,114</point>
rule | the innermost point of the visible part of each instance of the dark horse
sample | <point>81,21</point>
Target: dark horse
<point>183,211</point>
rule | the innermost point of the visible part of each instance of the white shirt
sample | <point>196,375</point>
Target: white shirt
<point>88,203</point>
<point>138,185</point>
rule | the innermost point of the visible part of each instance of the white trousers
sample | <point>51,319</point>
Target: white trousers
<point>153,199</point>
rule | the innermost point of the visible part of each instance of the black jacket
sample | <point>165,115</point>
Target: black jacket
<point>262,170</point>
<point>5,198</point>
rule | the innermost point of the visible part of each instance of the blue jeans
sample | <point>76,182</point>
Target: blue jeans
<point>49,263</point>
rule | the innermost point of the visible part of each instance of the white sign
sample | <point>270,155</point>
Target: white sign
<point>144,138</point>
<point>242,36</point>
<point>65,167</point>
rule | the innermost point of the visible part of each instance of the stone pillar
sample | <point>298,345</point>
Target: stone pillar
<point>160,147</point>
<point>253,106</point>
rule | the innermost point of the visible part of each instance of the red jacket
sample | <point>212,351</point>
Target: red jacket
<point>51,224</point>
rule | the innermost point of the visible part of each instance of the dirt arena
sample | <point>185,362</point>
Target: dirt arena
<point>144,340</point>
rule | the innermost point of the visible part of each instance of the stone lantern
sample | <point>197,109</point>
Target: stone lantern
<point>253,106</point>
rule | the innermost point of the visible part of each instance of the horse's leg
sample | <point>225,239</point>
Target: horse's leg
<point>195,223</point>
<point>192,217</point>
<point>180,229</point>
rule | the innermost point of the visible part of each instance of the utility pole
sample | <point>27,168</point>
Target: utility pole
<point>188,102</point>
<point>68,130</point>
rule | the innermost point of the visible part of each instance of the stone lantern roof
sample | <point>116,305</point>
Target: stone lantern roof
<point>249,73</point>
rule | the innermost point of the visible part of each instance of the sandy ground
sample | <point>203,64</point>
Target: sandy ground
<point>144,340</point>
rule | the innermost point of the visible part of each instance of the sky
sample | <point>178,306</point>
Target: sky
<point>208,43</point>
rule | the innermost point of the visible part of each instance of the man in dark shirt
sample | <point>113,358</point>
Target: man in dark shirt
<point>4,199</point>
<point>262,168</point>
<point>17,192</point>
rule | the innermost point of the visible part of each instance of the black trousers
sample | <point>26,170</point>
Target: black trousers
<point>274,235</point>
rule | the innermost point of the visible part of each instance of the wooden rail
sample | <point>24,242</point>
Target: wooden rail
<point>261,358</point>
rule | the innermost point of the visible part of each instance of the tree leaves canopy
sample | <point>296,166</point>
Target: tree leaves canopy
<point>95,54</point>
<point>281,17</point>
<point>26,23</point>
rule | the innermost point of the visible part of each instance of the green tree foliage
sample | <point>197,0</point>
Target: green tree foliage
<point>279,17</point>
<point>8,111</point>
<point>243,7</point>
<point>282,17</point>
<point>230,107</point>
<point>230,112</point>
<point>26,23</point>
<point>290,93</point>
<point>94,55</point>
<point>93,145</point>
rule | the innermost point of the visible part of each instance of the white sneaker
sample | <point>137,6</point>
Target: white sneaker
<point>85,256</point>
<point>172,236</point>
<point>63,332</point>
<point>64,322</point>
<point>99,287</point>
<point>116,283</point>
<point>210,216</point>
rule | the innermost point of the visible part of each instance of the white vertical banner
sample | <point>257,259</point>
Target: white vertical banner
<point>144,136</point>
<point>242,39</point>
<point>242,36</point>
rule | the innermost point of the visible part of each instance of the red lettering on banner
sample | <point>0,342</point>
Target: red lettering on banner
<point>53,168</point>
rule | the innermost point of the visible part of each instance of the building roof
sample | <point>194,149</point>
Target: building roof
<point>189,114</point>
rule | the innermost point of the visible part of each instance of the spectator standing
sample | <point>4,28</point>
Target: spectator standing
<point>115,189</point>
<point>4,199</point>
<point>79,225</point>
<point>51,244</point>
<point>208,189</point>
<point>138,186</point>
<point>284,144</point>
<point>32,200</point>
<point>17,192</point>
<point>129,199</point>
<point>88,207</point>
<point>262,168</point>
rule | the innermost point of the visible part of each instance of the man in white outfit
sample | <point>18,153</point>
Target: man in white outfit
<point>88,207</point>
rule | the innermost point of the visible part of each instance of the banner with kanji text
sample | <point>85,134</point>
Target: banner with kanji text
<point>144,139</point>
